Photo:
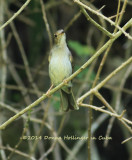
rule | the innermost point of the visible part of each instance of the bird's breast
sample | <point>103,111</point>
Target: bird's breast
<point>59,68</point>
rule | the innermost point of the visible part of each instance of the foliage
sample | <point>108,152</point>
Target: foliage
<point>81,50</point>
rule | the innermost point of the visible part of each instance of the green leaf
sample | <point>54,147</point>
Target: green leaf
<point>81,49</point>
<point>81,76</point>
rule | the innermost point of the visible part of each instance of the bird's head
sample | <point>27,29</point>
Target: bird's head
<point>60,37</point>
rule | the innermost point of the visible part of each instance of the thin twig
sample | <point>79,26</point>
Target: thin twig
<point>17,152</point>
<point>76,16</point>
<point>118,100</point>
<point>36,120</point>
<point>71,77</point>
<point>107,112</point>
<point>20,88</point>
<point>3,69</point>
<point>95,23</point>
<point>46,23</point>
<point>23,54</point>
<point>41,128</point>
<point>112,110</point>
<point>126,140</point>
<point>111,17</point>
<point>102,83</point>
<point>15,15</point>
<point>77,146</point>
<point>104,17</point>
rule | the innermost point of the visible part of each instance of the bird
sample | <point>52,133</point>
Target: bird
<point>60,68</point>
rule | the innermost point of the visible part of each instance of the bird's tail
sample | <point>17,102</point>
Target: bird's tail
<point>68,101</point>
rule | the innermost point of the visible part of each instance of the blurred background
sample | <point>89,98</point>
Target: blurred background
<point>24,48</point>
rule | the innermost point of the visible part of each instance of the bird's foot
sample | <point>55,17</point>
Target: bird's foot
<point>47,93</point>
<point>65,81</point>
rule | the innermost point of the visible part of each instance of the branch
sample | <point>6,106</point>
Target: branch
<point>105,80</point>
<point>15,15</point>
<point>126,140</point>
<point>95,23</point>
<point>104,17</point>
<point>76,16</point>
<point>35,120</point>
<point>108,112</point>
<point>44,96</point>
<point>17,152</point>
<point>46,22</point>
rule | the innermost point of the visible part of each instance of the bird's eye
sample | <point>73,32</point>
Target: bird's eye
<point>55,35</point>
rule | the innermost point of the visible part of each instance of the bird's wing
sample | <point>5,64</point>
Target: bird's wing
<point>50,54</point>
<point>70,57</point>
<point>49,57</point>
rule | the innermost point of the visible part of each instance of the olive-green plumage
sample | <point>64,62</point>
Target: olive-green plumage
<point>60,68</point>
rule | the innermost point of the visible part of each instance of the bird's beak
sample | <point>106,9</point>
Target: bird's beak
<point>62,33</point>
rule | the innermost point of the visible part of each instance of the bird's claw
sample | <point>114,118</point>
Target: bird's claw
<point>47,93</point>
<point>65,81</point>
